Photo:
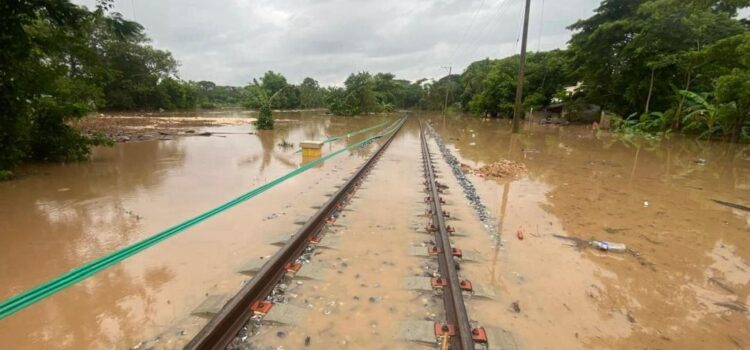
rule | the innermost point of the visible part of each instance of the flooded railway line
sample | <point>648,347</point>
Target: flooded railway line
<point>258,296</point>
<point>354,291</point>
<point>381,273</point>
<point>457,331</point>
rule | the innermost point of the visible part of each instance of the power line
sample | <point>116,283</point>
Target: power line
<point>466,32</point>
<point>478,38</point>
<point>518,32</point>
<point>541,29</point>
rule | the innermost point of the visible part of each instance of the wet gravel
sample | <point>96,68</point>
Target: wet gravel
<point>470,192</point>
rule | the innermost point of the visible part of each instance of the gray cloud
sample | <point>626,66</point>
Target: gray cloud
<point>232,41</point>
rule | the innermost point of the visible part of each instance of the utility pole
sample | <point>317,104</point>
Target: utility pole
<point>445,105</point>
<point>522,67</point>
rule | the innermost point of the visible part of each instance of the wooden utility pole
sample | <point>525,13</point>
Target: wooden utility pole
<point>447,86</point>
<point>521,70</point>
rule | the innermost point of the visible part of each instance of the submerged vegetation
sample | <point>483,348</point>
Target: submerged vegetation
<point>663,65</point>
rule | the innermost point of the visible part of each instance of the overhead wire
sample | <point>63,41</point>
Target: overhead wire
<point>519,29</point>
<point>466,32</point>
<point>541,29</point>
<point>492,24</point>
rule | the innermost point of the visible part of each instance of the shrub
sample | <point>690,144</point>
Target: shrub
<point>265,120</point>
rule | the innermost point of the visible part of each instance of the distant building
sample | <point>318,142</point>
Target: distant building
<point>570,90</point>
<point>572,112</point>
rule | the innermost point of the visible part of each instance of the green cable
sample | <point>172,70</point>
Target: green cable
<point>44,290</point>
<point>334,138</point>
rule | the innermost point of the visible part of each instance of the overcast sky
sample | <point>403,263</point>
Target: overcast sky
<point>232,41</point>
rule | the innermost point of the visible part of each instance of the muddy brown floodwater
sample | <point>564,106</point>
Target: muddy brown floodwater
<point>56,217</point>
<point>683,285</point>
<point>686,284</point>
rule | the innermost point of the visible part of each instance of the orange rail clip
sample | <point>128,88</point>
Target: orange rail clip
<point>261,307</point>
<point>292,267</point>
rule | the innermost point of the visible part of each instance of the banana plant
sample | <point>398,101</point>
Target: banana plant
<point>702,114</point>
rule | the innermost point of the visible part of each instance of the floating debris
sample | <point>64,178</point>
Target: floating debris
<point>516,307</point>
<point>733,305</point>
<point>498,170</point>
<point>732,205</point>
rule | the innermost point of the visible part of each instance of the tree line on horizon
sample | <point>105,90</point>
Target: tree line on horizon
<point>662,65</point>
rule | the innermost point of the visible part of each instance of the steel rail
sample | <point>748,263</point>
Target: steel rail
<point>453,299</point>
<point>226,324</point>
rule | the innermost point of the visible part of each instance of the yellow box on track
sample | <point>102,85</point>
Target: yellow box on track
<point>311,148</point>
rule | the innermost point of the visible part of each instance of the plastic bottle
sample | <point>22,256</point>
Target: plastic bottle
<point>609,246</point>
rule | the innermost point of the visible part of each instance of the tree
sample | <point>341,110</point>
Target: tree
<point>488,86</point>
<point>45,81</point>
<point>272,83</point>
<point>338,103</point>
<point>357,98</point>
<point>266,100</point>
<point>359,88</point>
<point>311,95</point>
<point>265,120</point>
<point>630,53</point>
<point>733,93</point>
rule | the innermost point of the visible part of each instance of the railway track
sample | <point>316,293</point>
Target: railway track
<point>252,299</point>
<point>256,297</point>
<point>456,332</point>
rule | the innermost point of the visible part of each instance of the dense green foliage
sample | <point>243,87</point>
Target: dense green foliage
<point>489,86</point>
<point>49,73</point>
<point>60,61</point>
<point>274,87</point>
<point>211,95</point>
<point>640,56</point>
<point>365,93</point>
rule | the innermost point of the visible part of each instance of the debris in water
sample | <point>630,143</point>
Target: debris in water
<point>516,306</point>
<point>498,170</point>
<point>613,231</point>
<point>733,305</point>
<point>609,246</point>
<point>732,205</point>
<point>721,285</point>
<point>601,245</point>
<point>577,242</point>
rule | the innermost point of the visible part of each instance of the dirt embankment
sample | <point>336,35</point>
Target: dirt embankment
<point>125,128</point>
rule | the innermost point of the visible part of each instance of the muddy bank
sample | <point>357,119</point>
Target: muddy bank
<point>144,127</point>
